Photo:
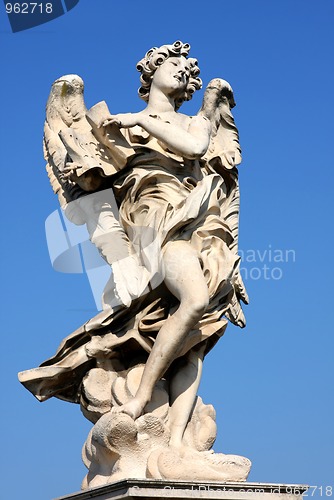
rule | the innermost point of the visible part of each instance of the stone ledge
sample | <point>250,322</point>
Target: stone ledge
<point>145,489</point>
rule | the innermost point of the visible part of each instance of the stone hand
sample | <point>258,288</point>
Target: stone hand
<point>122,120</point>
<point>70,171</point>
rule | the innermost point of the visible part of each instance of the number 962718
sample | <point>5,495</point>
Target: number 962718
<point>28,8</point>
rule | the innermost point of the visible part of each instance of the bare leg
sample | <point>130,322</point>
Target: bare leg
<point>184,388</point>
<point>184,278</point>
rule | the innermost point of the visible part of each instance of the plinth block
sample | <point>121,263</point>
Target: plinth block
<point>146,489</point>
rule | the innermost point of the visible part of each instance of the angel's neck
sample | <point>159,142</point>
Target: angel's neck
<point>159,103</point>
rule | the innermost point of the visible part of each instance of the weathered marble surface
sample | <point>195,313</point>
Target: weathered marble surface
<point>172,243</point>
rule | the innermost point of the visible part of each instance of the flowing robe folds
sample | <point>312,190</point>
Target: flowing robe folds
<point>162,197</point>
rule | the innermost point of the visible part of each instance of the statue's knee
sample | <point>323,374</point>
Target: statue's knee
<point>197,306</point>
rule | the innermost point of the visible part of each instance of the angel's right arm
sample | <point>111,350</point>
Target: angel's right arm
<point>189,143</point>
<point>192,143</point>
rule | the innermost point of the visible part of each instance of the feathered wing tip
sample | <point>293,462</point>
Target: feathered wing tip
<point>217,104</point>
<point>65,104</point>
<point>216,91</point>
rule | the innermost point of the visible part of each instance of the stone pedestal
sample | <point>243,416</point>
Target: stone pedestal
<point>146,489</point>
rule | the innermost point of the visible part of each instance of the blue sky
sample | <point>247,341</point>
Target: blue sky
<point>272,383</point>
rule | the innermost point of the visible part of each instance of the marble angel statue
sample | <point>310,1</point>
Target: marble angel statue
<point>172,243</point>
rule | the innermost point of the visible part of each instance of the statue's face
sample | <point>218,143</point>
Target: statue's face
<point>172,76</point>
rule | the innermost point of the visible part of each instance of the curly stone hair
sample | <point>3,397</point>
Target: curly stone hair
<point>157,56</point>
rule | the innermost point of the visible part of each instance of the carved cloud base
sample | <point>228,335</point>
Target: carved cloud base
<point>119,447</point>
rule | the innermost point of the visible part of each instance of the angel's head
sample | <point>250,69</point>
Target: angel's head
<point>179,72</point>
